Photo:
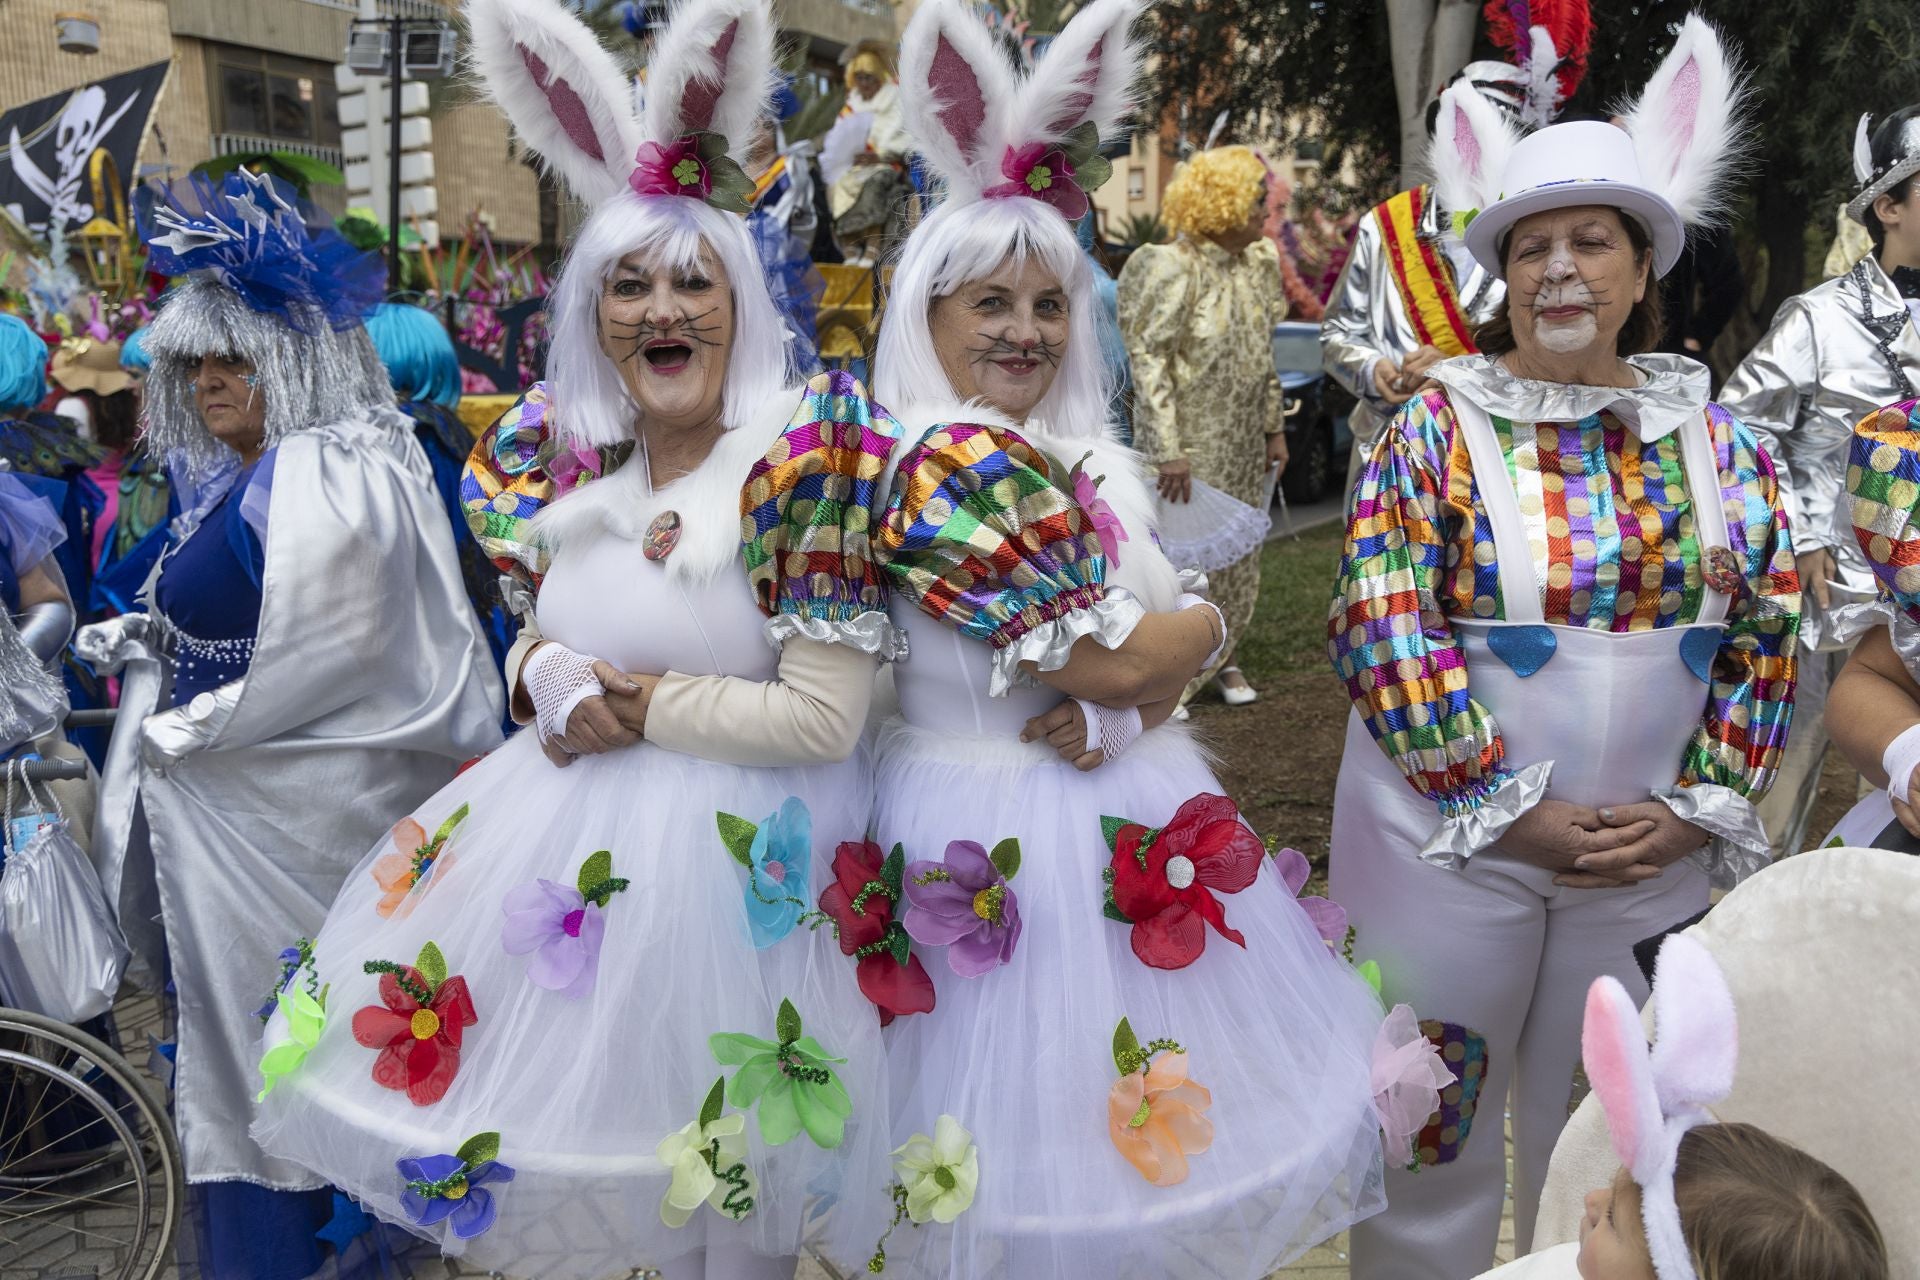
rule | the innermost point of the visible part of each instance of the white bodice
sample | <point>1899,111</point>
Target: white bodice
<point>604,597</point>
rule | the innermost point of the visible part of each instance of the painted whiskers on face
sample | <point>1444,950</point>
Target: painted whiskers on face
<point>633,336</point>
<point>1003,348</point>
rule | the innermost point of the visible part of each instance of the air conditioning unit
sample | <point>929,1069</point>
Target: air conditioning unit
<point>368,49</point>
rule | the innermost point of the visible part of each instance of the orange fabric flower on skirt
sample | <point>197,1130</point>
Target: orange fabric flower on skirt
<point>414,865</point>
<point>1158,1118</point>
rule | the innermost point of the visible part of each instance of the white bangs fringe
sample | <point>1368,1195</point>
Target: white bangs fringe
<point>592,403</point>
<point>961,242</point>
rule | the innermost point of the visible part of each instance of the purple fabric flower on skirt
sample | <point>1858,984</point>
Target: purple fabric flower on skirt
<point>964,905</point>
<point>1329,917</point>
<point>561,929</point>
<point>442,1188</point>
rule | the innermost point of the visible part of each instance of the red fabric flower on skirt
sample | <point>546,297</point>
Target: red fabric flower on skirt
<point>1163,881</point>
<point>416,1026</point>
<point>865,890</point>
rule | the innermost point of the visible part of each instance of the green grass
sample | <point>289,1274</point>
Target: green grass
<point>1289,631</point>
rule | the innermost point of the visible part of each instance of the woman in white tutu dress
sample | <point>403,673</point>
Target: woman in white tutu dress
<point>509,1034</point>
<point>1143,1059</point>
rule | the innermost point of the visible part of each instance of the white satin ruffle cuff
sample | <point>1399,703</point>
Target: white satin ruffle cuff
<point>871,633</point>
<point>1109,621</point>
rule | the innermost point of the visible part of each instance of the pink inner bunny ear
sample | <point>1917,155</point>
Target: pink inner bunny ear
<point>1615,1056</point>
<point>1466,142</point>
<point>1074,107</point>
<point>702,95</point>
<point>1683,107</point>
<point>963,108</point>
<point>566,104</point>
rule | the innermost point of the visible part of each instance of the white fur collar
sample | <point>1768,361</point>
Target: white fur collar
<point>707,500</point>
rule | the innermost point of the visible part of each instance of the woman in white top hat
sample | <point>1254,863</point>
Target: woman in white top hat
<point>1565,616</point>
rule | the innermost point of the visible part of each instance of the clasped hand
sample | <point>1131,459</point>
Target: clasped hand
<point>1605,848</point>
<point>615,717</point>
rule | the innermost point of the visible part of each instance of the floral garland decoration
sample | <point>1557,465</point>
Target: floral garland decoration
<point>860,904</point>
<point>1161,881</point>
<point>562,926</point>
<point>934,1181</point>
<point>417,1025</point>
<point>778,856</point>
<point>789,1083</point>
<point>966,905</point>
<point>405,875</point>
<point>441,1187</point>
<point>708,1162</point>
<point>695,165</point>
<point>1156,1115</point>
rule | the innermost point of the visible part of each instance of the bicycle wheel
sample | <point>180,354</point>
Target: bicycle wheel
<point>91,1182</point>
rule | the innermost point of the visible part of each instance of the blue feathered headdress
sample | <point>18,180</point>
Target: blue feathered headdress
<point>249,232</point>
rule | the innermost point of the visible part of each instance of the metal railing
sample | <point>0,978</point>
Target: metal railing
<point>226,144</point>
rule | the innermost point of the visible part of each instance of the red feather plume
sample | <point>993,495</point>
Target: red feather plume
<point>1510,26</point>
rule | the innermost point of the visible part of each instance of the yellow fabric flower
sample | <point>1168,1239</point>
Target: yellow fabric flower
<point>694,1180</point>
<point>940,1173</point>
<point>306,1018</point>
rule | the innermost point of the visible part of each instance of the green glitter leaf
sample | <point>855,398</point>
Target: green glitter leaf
<point>479,1149</point>
<point>1108,908</point>
<point>899,944</point>
<point>894,870</point>
<point>1110,828</point>
<point>1371,972</point>
<point>716,1100</point>
<point>1092,173</point>
<point>1006,857</point>
<point>1126,1048</point>
<point>788,1023</point>
<point>595,869</point>
<point>737,834</point>
<point>728,185</point>
<point>432,966</point>
<point>1082,144</point>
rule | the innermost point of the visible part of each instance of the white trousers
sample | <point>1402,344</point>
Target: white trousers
<point>1499,949</point>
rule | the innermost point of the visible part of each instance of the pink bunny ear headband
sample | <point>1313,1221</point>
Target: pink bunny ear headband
<point>990,133</point>
<point>710,78</point>
<point>1652,1097</point>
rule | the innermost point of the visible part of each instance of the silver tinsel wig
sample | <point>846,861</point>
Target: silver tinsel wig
<point>262,285</point>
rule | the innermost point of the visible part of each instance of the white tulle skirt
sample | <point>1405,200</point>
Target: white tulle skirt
<point>1279,1033</point>
<point>583,1090</point>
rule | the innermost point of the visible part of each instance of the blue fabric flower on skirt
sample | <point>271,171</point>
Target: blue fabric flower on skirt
<point>452,1188</point>
<point>778,856</point>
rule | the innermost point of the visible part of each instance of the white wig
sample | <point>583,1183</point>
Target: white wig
<point>669,232</point>
<point>962,242</point>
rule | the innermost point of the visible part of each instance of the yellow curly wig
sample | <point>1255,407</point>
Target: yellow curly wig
<point>1214,191</point>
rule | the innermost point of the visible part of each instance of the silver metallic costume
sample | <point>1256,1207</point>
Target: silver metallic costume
<point>1367,318</point>
<point>369,683</point>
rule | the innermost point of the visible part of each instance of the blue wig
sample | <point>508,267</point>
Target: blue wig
<point>23,365</point>
<point>133,351</point>
<point>417,352</point>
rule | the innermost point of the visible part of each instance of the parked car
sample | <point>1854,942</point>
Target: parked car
<point>1318,436</point>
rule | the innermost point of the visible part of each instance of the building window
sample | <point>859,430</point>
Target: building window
<point>279,99</point>
<point>1136,183</point>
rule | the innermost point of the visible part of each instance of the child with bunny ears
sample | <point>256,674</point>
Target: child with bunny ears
<point>1696,1199</point>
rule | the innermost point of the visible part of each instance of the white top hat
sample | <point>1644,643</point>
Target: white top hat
<point>1563,166</point>
<point>1667,168</point>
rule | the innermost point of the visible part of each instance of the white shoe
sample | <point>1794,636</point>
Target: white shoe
<point>1235,695</point>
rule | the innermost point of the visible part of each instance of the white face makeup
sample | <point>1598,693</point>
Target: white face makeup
<point>1572,279</point>
<point>670,331</point>
<point>1001,339</point>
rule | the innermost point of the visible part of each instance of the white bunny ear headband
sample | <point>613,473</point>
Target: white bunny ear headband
<point>1668,169</point>
<point>1652,1097</point>
<point>710,79</point>
<point>992,134</point>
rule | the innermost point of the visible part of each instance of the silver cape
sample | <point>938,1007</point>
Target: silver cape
<point>370,683</point>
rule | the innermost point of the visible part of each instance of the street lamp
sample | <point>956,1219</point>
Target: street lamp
<point>394,46</point>
<point>104,239</point>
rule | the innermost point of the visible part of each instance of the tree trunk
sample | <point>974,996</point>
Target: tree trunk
<point>1783,215</point>
<point>1432,39</point>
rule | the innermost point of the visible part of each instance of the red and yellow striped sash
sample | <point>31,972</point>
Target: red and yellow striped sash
<point>1423,275</point>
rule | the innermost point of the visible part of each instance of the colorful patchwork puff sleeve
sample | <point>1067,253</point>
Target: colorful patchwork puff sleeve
<point>1883,485</point>
<point>518,466</point>
<point>1387,631</point>
<point>808,514</point>
<point>980,534</point>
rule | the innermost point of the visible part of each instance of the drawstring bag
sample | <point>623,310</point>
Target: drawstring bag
<point>61,954</point>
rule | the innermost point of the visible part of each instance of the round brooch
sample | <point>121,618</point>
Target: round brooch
<point>1722,571</point>
<point>662,536</point>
